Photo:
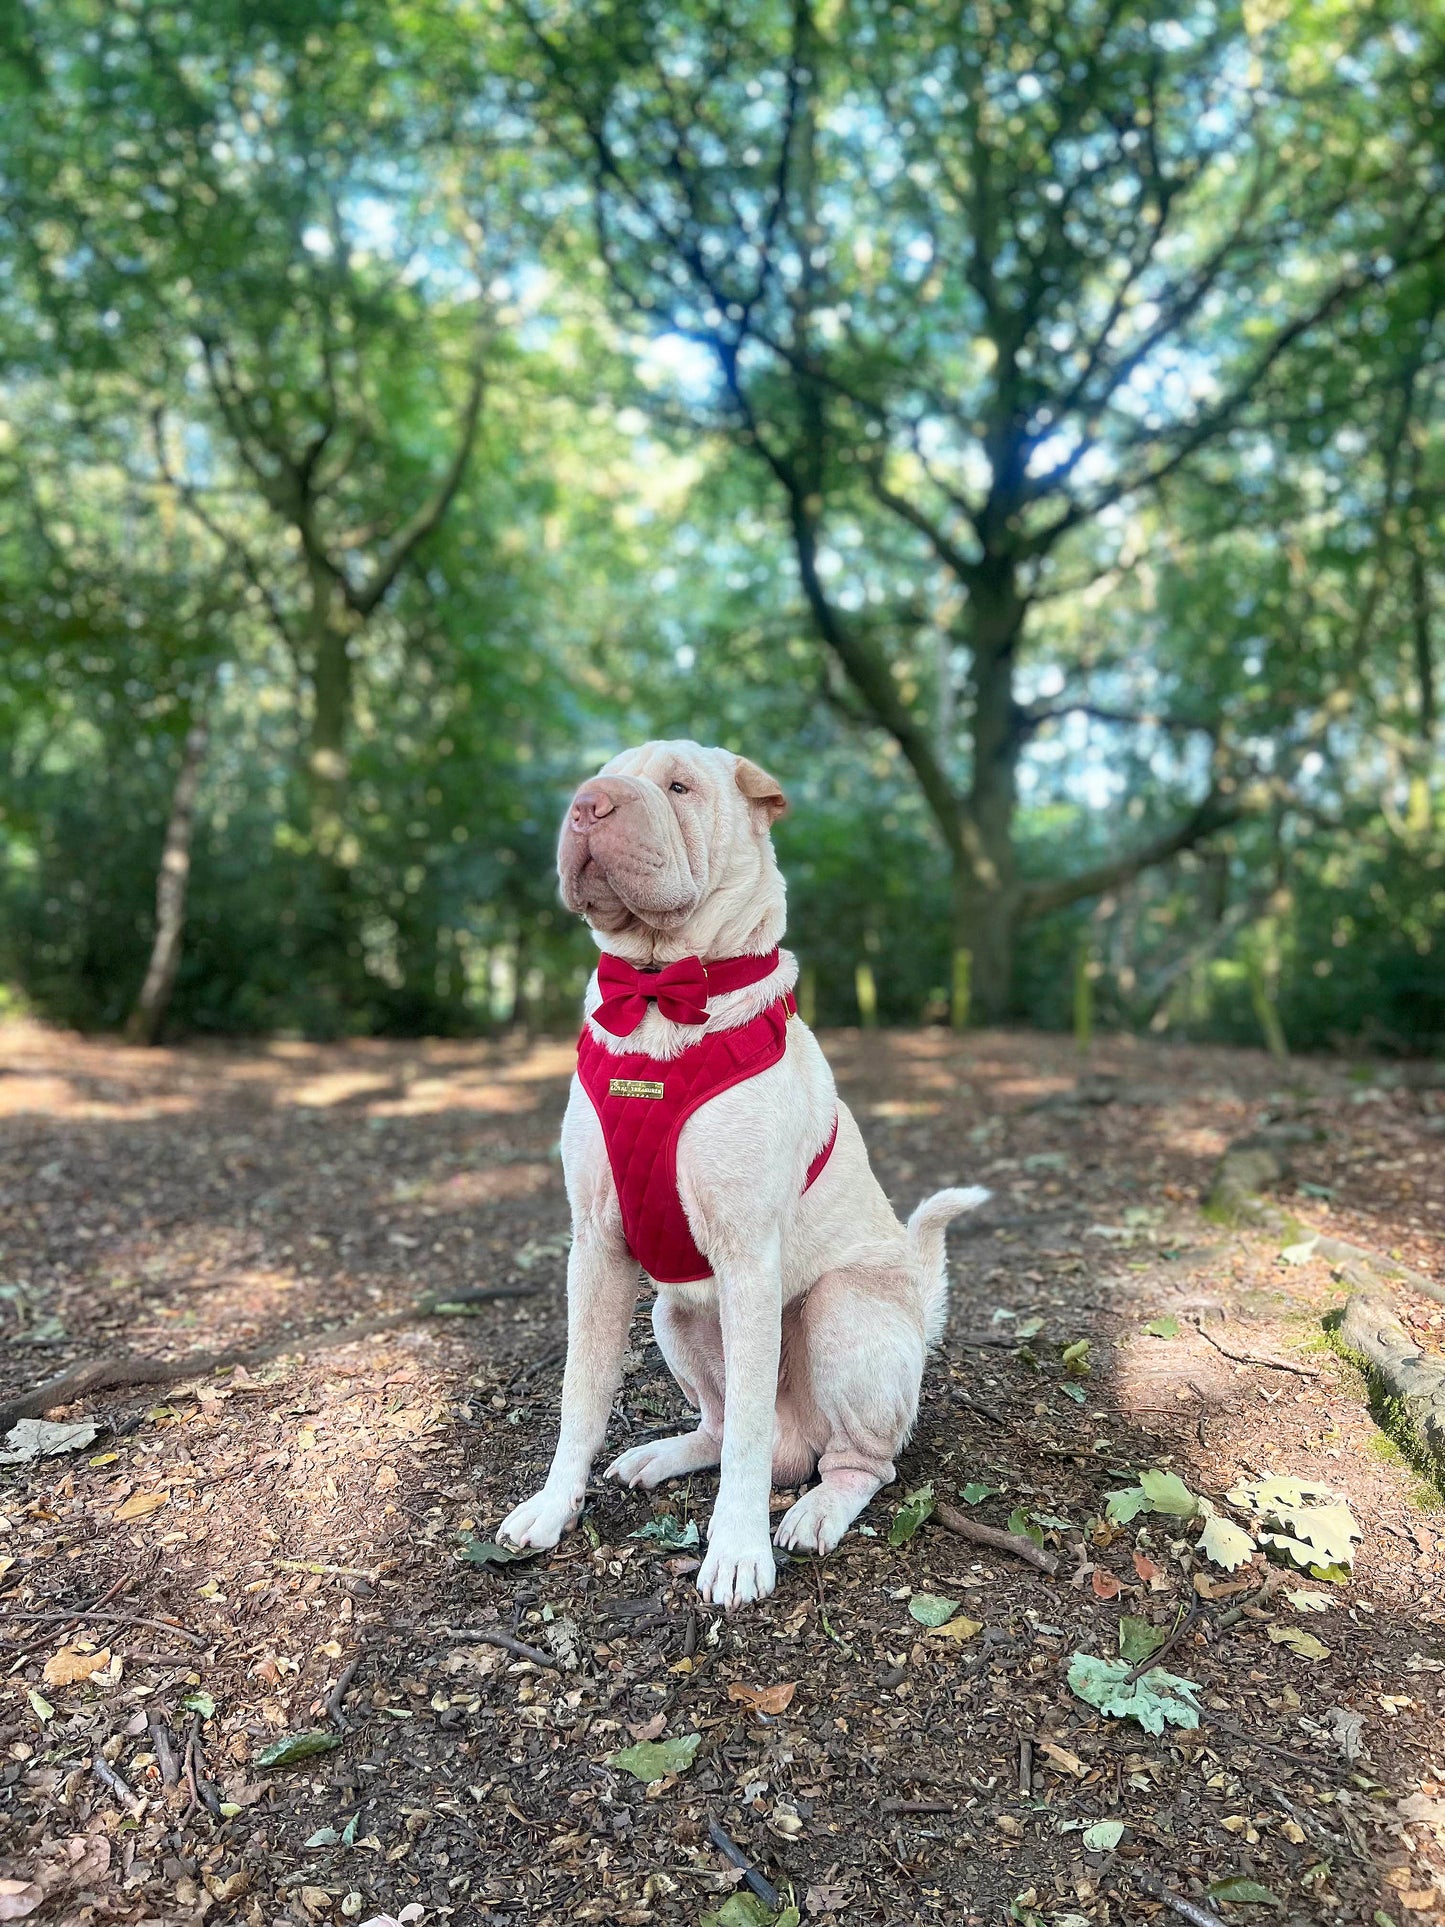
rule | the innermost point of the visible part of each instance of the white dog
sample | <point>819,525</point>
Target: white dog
<point>704,1142</point>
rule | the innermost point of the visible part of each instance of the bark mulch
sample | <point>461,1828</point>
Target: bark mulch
<point>254,1554</point>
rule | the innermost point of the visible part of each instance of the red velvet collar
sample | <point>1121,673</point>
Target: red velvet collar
<point>680,991</point>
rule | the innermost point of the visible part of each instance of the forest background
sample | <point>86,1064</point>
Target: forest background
<point>1019,427</point>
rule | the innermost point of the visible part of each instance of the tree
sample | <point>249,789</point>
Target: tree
<point>197,204</point>
<point>995,276</point>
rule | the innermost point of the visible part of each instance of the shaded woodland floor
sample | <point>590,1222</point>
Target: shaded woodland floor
<point>290,1520</point>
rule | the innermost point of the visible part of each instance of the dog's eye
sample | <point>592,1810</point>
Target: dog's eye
<point>678,789</point>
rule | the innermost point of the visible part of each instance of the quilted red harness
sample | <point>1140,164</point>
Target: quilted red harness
<point>643,1102</point>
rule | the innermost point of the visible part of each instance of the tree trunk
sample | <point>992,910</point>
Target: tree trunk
<point>330,720</point>
<point>985,884</point>
<point>147,1018</point>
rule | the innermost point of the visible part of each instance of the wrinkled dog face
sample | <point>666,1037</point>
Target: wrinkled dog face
<point>669,836</point>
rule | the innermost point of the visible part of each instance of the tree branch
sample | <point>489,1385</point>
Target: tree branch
<point>1214,813</point>
<point>362,601</point>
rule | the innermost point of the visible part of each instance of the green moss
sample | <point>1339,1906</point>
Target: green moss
<point>1399,1440</point>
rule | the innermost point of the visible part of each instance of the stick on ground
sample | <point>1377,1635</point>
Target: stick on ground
<point>996,1539</point>
<point>730,1850</point>
<point>79,1616</point>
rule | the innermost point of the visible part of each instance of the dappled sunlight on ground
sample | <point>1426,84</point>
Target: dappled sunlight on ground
<point>308,1512</point>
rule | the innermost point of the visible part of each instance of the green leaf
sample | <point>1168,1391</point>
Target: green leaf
<point>974,1493</point>
<point>1127,1503</point>
<point>1167,1493</point>
<point>1165,1327</point>
<point>1075,1392</point>
<point>1155,1700</point>
<point>201,1703</point>
<point>348,1832</point>
<point>929,1609</point>
<point>1227,1544</point>
<point>1244,1893</point>
<point>917,1507</point>
<point>1022,1522</point>
<point>1028,1328</point>
<point>323,1837</point>
<point>40,1706</point>
<point>1299,1254</point>
<point>655,1759</point>
<point>1310,1523</point>
<point>1075,1358</point>
<point>487,1552</point>
<point>296,1747</point>
<point>744,1910</point>
<point>1137,1639</point>
<point>1103,1836</point>
<point>669,1533</point>
<point>1309,1602</point>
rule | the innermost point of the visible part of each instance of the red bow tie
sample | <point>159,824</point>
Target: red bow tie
<point>680,992</point>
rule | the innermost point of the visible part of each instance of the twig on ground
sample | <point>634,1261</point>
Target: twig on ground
<point>105,1374</point>
<point>1189,1910</point>
<point>730,1850</point>
<point>1270,1584</point>
<point>1026,1767</point>
<point>492,1636</point>
<point>112,1619</point>
<point>1175,1638</point>
<point>165,1755</point>
<point>916,1806</point>
<point>996,1539</point>
<point>332,1706</point>
<point>49,1639</point>
<point>107,1775</point>
<point>1256,1358</point>
<point>977,1405</point>
<point>985,1341</point>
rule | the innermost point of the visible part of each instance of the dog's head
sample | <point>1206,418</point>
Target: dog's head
<point>666,852</point>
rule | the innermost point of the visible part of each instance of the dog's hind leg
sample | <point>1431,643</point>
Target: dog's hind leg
<point>691,1342</point>
<point>863,1354</point>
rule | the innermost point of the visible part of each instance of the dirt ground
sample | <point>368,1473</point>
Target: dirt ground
<point>252,1533</point>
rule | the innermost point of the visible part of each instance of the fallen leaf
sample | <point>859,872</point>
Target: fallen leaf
<point>19,1898</point>
<point>655,1759</point>
<point>1075,1358</point>
<point>296,1747</point>
<point>1227,1544</point>
<point>652,1729</point>
<point>1062,1758</point>
<point>826,1899</point>
<point>40,1706</point>
<point>69,1665</point>
<point>1156,1699</point>
<point>1137,1639</point>
<point>1301,1253</point>
<point>1105,1585</point>
<point>917,1507</point>
<point>975,1492</point>
<point>1103,1836</point>
<point>488,1552</point>
<point>764,1699</point>
<point>1309,1602</point>
<point>930,1609</point>
<point>744,1910</point>
<point>959,1629</point>
<point>141,1505</point>
<point>201,1703</point>
<point>1153,1576</point>
<point>1244,1893</point>
<point>1348,1728</point>
<point>667,1532</point>
<point>1304,1644</point>
<point>1167,1493</point>
<point>40,1438</point>
<point>1165,1327</point>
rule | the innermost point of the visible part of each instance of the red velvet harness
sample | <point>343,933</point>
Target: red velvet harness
<point>643,1102</point>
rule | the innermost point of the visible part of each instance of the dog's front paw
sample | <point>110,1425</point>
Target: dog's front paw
<point>738,1569</point>
<point>649,1465</point>
<point>540,1520</point>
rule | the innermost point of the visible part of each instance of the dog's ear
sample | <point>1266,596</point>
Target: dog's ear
<point>762,790</point>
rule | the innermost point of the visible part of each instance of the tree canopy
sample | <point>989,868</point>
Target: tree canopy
<point>1020,427</point>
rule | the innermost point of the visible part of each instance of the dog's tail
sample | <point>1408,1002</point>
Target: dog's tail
<point>926,1249</point>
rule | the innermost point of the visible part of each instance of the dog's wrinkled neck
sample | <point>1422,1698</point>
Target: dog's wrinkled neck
<point>741,917</point>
